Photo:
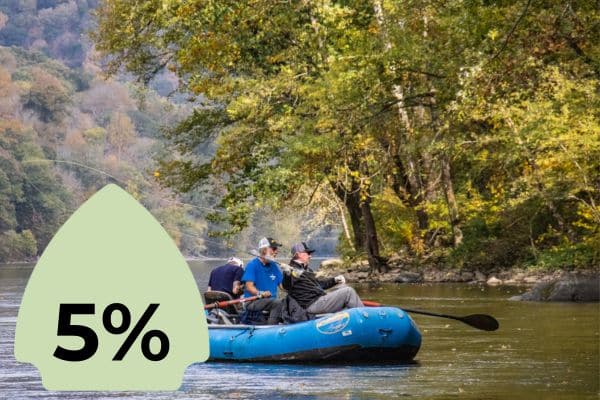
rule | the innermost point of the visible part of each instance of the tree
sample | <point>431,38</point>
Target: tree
<point>31,194</point>
<point>120,132</point>
<point>48,96</point>
<point>261,64</point>
<point>361,97</point>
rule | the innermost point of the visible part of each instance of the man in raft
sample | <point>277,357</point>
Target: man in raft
<point>261,278</point>
<point>303,286</point>
<point>227,278</point>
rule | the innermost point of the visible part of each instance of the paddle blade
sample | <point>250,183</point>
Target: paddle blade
<point>481,321</point>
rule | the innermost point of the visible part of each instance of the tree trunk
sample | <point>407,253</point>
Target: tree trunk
<point>457,235</point>
<point>410,167</point>
<point>376,262</point>
<point>406,192</point>
<point>351,200</point>
<point>363,224</point>
<point>344,222</point>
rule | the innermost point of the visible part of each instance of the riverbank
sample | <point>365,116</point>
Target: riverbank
<point>403,271</point>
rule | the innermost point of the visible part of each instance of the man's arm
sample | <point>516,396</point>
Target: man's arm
<point>327,283</point>
<point>237,286</point>
<point>254,291</point>
<point>210,281</point>
<point>237,281</point>
<point>286,283</point>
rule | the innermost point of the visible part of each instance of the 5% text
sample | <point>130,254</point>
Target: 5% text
<point>90,338</point>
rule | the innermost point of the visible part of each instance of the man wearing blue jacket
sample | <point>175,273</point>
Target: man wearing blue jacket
<point>262,278</point>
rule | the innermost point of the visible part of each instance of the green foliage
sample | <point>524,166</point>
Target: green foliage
<point>51,164</point>
<point>77,79</point>
<point>48,97</point>
<point>145,125</point>
<point>397,224</point>
<point>17,246</point>
<point>32,196</point>
<point>571,255</point>
<point>463,125</point>
<point>187,232</point>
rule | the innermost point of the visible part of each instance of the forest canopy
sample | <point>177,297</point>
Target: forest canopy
<point>465,127</point>
<point>464,133</point>
<point>470,127</point>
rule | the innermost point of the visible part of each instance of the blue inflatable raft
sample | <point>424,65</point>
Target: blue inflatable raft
<point>380,334</point>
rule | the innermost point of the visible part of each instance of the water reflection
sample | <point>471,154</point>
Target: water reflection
<point>285,381</point>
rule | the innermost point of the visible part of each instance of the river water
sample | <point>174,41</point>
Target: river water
<point>541,351</point>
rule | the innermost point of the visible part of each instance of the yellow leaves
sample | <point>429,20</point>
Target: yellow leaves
<point>243,106</point>
<point>548,163</point>
<point>497,190</point>
<point>168,4</point>
<point>493,34</point>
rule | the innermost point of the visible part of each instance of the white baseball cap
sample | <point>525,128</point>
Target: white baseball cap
<point>235,261</point>
<point>264,242</point>
<point>268,242</point>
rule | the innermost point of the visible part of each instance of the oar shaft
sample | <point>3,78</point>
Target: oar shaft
<point>370,303</point>
<point>479,321</point>
<point>226,303</point>
<point>431,314</point>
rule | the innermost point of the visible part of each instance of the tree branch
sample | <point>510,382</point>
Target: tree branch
<point>512,31</point>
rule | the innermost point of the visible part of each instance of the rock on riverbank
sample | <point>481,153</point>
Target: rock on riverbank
<point>547,286</point>
<point>575,287</point>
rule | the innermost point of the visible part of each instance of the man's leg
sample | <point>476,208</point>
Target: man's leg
<point>258,305</point>
<point>273,306</point>
<point>335,301</point>
<point>274,309</point>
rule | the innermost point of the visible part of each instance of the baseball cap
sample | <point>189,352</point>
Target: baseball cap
<point>301,247</point>
<point>274,243</point>
<point>268,242</point>
<point>235,261</point>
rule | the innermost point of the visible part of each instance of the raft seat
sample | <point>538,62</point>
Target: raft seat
<point>223,316</point>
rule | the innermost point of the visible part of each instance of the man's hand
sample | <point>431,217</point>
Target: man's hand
<point>340,279</point>
<point>264,294</point>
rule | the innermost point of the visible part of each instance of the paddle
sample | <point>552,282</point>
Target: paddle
<point>479,321</point>
<point>222,304</point>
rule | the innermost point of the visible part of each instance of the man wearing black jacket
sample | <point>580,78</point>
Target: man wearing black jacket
<point>302,284</point>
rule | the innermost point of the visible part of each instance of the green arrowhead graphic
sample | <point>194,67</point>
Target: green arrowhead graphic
<point>112,250</point>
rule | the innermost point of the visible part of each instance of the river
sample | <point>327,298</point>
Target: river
<point>541,351</point>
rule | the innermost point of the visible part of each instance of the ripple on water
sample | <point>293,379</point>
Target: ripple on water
<point>547,351</point>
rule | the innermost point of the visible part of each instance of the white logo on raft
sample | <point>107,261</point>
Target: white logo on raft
<point>333,324</point>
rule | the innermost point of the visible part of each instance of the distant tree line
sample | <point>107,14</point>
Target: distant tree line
<point>63,135</point>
